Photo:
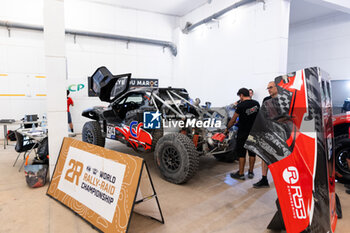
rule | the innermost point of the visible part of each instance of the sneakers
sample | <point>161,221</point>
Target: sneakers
<point>237,176</point>
<point>261,184</point>
<point>242,177</point>
<point>250,175</point>
<point>347,186</point>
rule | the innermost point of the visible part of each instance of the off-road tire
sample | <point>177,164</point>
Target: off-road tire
<point>92,133</point>
<point>176,157</point>
<point>342,146</point>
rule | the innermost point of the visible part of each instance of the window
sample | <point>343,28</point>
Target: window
<point>136,98</point>
<point>340,95</point>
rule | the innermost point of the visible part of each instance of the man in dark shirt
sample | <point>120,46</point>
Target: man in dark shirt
<point>264,183</point>
<point>247,111</point>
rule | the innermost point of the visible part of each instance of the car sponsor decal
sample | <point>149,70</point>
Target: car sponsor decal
<point>137,137</point>
<point>110,132</point>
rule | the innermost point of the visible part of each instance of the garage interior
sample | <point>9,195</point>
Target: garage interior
<point>209,47</point>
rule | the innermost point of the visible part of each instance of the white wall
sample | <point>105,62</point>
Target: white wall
<point>323,42</point>
<point>247,49</point>
<point>22,54</point>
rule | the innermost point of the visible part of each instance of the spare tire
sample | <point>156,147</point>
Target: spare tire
<point>342,152</point>
<point>176,157</point>
<point>92,133</point>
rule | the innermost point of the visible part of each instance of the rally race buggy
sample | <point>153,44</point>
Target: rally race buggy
<point>163,120</point>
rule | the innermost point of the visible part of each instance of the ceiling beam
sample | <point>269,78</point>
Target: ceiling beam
<point>339,5</point>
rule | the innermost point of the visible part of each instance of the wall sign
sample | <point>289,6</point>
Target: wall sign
<point>76,87</point>
<point>134,83</point>
<point>102,186</point>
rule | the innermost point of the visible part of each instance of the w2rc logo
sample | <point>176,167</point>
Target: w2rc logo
<point>74,172</point>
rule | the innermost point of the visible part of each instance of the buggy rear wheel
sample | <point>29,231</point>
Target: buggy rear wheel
<point>176,157</point>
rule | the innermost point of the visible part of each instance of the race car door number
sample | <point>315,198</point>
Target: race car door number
<point>110,131</point>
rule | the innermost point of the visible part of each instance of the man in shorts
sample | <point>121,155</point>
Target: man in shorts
<point>247,111</point>
<point>69,103</point>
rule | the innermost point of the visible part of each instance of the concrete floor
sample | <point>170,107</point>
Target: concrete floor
<point>210,202</point>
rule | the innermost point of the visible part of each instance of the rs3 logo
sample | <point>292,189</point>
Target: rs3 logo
<point>74,172</point>
<point>298,202</point>
<point>291,176</point>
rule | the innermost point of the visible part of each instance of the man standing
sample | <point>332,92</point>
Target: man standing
<point>264,183</point>
<point>69,103</point>
<point>247,111</point>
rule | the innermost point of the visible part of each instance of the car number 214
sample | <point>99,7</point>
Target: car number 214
<point>110,131</point>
